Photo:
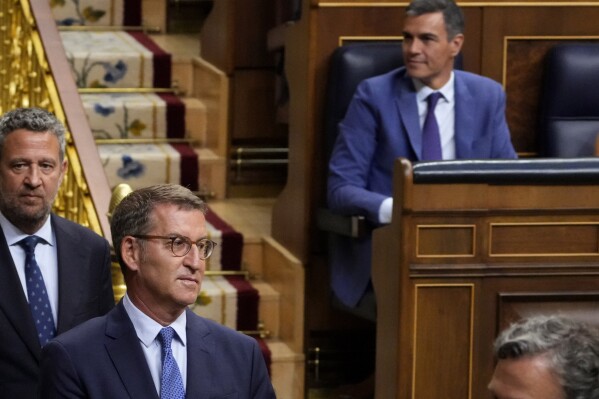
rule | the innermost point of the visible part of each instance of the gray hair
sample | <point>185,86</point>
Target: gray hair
<point>452,14</point>
<point>133,215</point>
<point>34,120</point>
<point>571,347</point>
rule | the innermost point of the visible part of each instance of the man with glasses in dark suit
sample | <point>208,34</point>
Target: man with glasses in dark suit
<point>151,345</point>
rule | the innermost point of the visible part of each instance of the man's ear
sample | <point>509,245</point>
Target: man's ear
<point>456,43</point>
<point>131,253</point>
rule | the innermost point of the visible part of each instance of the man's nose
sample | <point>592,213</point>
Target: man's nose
<point>414,46</point>
<point>33,177</point>
<point>192,258</point>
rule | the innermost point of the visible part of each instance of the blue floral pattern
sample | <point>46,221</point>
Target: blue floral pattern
<point>131,168</point>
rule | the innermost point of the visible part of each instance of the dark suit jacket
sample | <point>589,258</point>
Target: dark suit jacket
<point>381,125</point>
<point>103,359</point>
<point>84,291</point>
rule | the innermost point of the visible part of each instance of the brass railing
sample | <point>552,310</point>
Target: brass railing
<point>26,80</point>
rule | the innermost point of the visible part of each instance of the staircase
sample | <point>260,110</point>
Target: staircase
<point>170,126</point>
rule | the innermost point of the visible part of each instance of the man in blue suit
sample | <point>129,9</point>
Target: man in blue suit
<point>151,345</point>
<point>73,261</point>
<point>385,121</point>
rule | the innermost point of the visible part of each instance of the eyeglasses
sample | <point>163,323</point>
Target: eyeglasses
<point>181,245</point>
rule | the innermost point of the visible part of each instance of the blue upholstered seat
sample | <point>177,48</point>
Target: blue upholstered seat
<point>569,103</point>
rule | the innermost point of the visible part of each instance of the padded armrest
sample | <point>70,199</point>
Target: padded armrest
<point>351,226</point>
<point>520,171</point>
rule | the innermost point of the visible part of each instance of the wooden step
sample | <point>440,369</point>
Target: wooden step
<point>286,370</point>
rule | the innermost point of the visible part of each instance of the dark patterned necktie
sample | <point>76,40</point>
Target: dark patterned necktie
<point>431,139</point>
<point>171,383</point>
<point>39,303</point>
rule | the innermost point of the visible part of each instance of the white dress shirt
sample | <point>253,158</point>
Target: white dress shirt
<point>445,115</point>
<point>147,330</point>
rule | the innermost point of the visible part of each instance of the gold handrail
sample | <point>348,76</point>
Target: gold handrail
<point>26,80</point>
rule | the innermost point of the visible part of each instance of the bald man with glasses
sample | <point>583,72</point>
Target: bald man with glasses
<point>151,345</point>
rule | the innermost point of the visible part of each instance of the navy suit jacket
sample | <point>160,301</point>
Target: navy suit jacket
<point>103,359</point>
<point>382,124</point>
<point>84,291</point>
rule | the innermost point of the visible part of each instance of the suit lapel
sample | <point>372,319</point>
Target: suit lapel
<point>199,357</point>
<point>127,356</point>
<point>408,112</point>
<point>13,302</point>
<point>465,111</point>
<point>70,256</point>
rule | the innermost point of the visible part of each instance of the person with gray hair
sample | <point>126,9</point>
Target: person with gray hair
<point>151,344</point>
<point>547,357</point>
<point>54,273</point>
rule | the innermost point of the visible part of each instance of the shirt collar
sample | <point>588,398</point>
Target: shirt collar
<point>147,328</point>
<point>13,234</point>
<point>423,91</point>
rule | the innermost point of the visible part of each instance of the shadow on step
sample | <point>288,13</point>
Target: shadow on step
<point>341,364</point>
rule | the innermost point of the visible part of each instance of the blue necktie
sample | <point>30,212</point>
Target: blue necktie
<point>431,140</point>
<point>39,303</point>
<point>171,383</point>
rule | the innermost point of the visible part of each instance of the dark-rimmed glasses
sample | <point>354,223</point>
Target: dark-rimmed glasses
<point>181,245</point>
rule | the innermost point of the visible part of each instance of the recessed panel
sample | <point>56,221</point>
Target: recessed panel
<point>445,241</point>
<point>443,335</point>
<point>544,239</point>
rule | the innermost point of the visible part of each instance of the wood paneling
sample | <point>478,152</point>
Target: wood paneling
<point>253,96</point>
<point>445,241</point>
<point>546,239</point>
<point>525,260</point>
<point>447,308</point>
<point>505,41</point>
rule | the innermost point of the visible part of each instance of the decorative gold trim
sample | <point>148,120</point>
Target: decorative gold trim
<point>155,116</point>
<point>158,140</point>
<point>108,28</point>
<point>368,38</point>
<point>135,90</point>
<point>244,273</point>
<point>167,162</point>
<point>463,5</point>
<point>223,303</point>
<point>514,38</point>
<point>415,331</point>
<point>445,226</point>
<point>530,255</point>
<point>112,12</point>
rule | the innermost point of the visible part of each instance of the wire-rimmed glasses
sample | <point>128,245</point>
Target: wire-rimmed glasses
<point>181,245</point>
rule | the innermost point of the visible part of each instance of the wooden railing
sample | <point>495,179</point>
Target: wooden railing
<point>34,72</point>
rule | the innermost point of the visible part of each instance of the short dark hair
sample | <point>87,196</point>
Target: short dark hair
<point>452,14</point>
<point>34,120</point>
<point>133,215</point>
<point>571,347</point>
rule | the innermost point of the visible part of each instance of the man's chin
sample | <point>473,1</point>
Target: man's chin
<point>417,73</point>
<point>26,217</point>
